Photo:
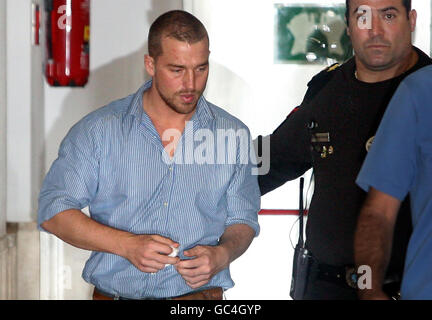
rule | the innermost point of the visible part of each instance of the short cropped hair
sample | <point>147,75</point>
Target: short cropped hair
<point>406,3</point>
<point>176,24</point>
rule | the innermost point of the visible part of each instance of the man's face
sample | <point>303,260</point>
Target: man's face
<point>381,36</point>
<point>180,73</point>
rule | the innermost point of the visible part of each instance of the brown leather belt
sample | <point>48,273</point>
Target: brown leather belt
<point>208,294</point>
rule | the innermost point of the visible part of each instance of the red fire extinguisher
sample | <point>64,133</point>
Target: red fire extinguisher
<point>68,42</point>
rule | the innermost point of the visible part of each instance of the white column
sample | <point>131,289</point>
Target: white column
<point>18,108</point>
<point>8,251</point>
<point>2,119</point>
<point>25,110</point>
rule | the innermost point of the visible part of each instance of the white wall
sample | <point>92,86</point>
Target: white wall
<point>422,35</point>
<point>24,113</point>
<point>18,109</point>
<point>2,119</point>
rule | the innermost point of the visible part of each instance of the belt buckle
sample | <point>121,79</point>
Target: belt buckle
<point>351,277</point>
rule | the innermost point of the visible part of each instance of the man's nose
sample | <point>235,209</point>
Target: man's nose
<point>376,27</point>
<point>189,80</point>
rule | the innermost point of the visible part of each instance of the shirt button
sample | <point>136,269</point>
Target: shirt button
<point>166,204</point>
<point>170,168</point>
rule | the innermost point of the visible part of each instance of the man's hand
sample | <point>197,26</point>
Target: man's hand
<point>207,261</point>
<point>149,253</point>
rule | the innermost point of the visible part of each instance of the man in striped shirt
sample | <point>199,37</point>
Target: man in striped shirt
<point>159,178</point>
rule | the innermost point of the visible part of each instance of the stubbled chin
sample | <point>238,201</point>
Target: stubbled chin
<point>186,108</point>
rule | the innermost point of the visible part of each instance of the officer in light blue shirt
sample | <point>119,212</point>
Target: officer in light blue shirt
<point>400,163</point>
<point>168,178</point>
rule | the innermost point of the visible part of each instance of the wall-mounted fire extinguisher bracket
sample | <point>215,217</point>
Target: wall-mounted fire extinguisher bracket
<point>67,59</point>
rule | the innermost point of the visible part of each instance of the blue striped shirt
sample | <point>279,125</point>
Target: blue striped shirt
<point>114,163</point>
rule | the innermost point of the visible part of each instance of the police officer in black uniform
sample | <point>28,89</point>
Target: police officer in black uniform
<point>332,131</point>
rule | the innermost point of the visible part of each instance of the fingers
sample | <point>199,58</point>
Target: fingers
<point>165,241</point>
<point>163,251</point>
<point>150,253</point>
<point>197,271</point>
<point>162,245</point>
<point>194,267</point>
<point>197,284</point>
<point>195,274</point>
<point>156,264</point>
<point>152,266</point>
<point>158,257</point>
<point>197,278</point>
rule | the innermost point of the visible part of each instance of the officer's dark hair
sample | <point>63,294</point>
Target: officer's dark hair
<point>406,4</point>
<point>176,24</point>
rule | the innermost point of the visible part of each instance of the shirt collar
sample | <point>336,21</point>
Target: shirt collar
<point>203,113</point>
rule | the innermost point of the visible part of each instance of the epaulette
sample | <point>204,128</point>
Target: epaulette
<point>320,80</point>
<point>324,75</point>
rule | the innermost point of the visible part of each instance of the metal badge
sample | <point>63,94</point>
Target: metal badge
<point>320,137</point>
<point>326,151</point>
<point>351,277</point>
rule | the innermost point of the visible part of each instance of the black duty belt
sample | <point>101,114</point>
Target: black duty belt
<point>342,275</point>
<point>347,276</point>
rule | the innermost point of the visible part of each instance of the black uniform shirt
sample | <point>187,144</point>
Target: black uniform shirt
<point>349,111</point>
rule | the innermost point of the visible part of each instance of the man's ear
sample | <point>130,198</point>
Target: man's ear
<point>347,25</point>
<point>149,65</point>
<point>413,19</point>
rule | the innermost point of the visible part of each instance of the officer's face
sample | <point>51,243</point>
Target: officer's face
<point>180,73</point>
<point>380,32</point>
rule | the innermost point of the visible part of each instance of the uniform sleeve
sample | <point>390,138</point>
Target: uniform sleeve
<point>290,145</point>
<point>290,155</point>
<point>243,195</point>
<point>391,163</point>
<point>72,180</point>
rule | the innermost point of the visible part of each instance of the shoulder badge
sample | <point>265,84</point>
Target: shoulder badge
<point>324,75</point>
<point>333,67</point>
